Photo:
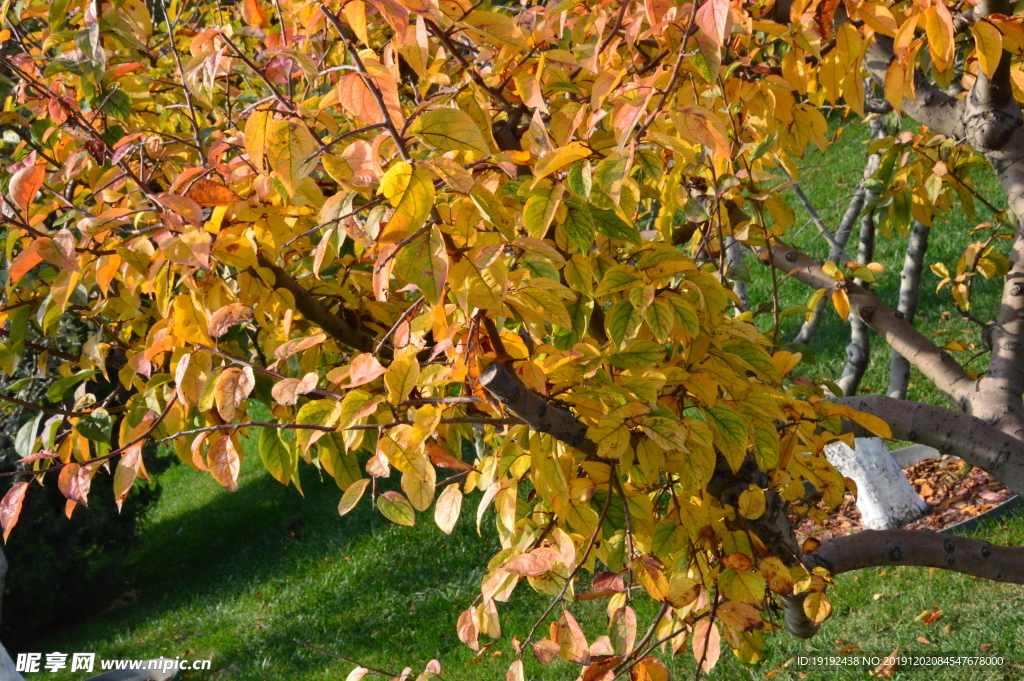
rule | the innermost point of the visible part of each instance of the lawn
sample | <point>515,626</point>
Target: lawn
<point>237,578</point>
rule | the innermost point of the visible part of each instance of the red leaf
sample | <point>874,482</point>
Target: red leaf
<point>10,507</point>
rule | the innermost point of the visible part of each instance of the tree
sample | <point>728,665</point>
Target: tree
<point>456,236</point>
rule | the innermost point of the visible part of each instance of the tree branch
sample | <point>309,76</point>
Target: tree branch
<point>845,228</point>
<point>312,310</point>
<point>934,363</point>
<point>921,548</point>
<point>934,108</point>
<point>858,352</point>
<point>968,437</point>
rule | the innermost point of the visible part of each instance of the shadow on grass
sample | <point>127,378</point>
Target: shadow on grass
<point>285,560</point>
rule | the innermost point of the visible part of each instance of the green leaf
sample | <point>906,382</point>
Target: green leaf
<point>578,224</point>
<point>579,179</point>
<point>639,354</point>
<point>423,262</point>
<point>277,457</point>
<point>96,426</point>
<point>668,538</point>
<point>450,130</point>
<point>396,508</point>
<point>730,432</point>
<point>55,393</point>
<point>611,225</point>
<point>623,321</point>
<point>25,440</point>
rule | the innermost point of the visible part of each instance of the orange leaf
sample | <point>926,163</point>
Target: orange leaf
<point>74,482</point>
<point>842,303</point>
<point>224,462</point>
<point>24,262</point>
<point>707,644</point>
<point>24,185</point>
<point>233,387</point>
<point>207,193</point>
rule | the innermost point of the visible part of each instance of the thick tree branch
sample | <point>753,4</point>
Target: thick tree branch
<point>772,527</point>
<point>910,284</point>
<point>968,437</point>
<point>542,417</point>
<point>933,362</point>
<point>933,107</point>
<point>312,310</point>
<point>921,548</point>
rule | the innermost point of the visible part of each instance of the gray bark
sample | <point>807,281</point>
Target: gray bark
<point>858,352</point>
<point>910,283</point>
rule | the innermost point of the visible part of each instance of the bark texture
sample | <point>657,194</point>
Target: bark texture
<point>858,351</point>
<point>910,284</point>
<point>921,548</point>
<point>884,497</point>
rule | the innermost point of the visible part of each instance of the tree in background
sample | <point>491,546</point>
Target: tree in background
<point>407,226</point>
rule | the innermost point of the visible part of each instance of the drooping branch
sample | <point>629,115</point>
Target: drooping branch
<point>858,351</point>
<point>772,526</point>
<point>910,283</point>
<point>933,362</point>
<point>968,437</point>
<point>921,548</point>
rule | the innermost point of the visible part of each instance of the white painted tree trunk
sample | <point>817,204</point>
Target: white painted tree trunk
<point>884,497</point>
<point>7,670</point>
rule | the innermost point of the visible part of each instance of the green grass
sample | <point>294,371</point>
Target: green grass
<point>237,577</point>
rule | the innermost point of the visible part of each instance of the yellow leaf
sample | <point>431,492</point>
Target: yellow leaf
<point>352,496</point>
<point>401,378</point>
<point>989,43</point>
<point>841,301</point>
<point>559,158</point>
<point>291,150</point>
<point>449,505</point>
<point>410,190</point>
<point>450,130</point>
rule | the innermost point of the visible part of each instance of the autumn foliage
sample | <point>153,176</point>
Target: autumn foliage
<point>465,256</point>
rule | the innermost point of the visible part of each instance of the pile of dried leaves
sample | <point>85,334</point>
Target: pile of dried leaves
<point>955,491</point>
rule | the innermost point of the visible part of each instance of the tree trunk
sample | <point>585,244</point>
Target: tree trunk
<point>884,497</point>
<point>858,352</point>
<point>734,253</point>
<point>910,283</point>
